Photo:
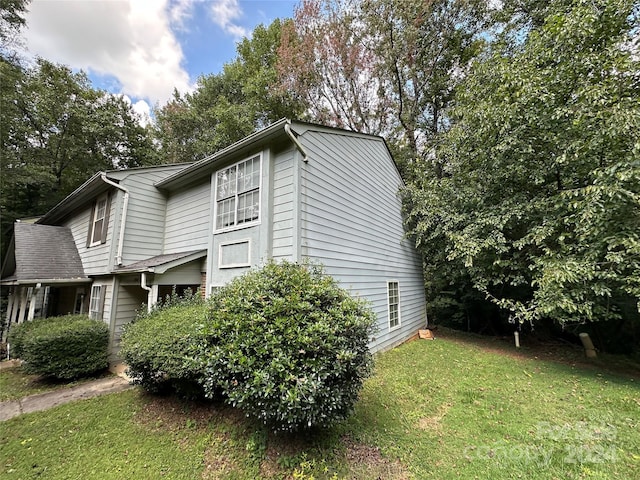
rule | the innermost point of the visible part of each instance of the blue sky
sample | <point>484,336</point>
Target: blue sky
<point>143,49</point>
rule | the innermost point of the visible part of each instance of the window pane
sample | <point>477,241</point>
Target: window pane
<point>250,175</point>
<point>225,213</point>
<point>394,304</point>
<point>248,206</point>
<point>94,305</point>
<point>226,181</point>
<point>102,206</point>
<point>97,231</point>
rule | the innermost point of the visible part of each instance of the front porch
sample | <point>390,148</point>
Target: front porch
<point>41,300</point>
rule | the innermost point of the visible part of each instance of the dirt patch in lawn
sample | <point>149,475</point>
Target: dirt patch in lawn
<point>365,461</point>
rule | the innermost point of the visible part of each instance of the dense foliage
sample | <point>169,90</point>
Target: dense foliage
<point>381,66</point>
<point>156,346</point>
<point>284,344</point>
<point>288,346</point>
<point>227,106</point>
<point>537,206</point>
<point>56,131</point>
<point>65,347</point>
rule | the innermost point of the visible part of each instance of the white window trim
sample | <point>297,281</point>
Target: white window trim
<point>95,308</point>
<point>94,219</point>
<point>391,329</point>
<point>215,199</point>
<point>213,287</point>
<point>235,265</point>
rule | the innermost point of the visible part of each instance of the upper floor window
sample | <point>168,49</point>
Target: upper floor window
<point>99,220</point>
<point>238,194</point>
<point>393,290</point>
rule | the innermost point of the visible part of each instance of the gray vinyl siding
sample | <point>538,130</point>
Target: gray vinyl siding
<point>188,219</point>
<point>145,216</point>
<point>351,223</point>
<point>283,206</point>
<point>129,300</point>
<point>96,260</point>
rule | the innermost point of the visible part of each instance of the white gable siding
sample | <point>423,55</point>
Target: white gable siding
<point>188,219</point>
<point>351,223</point>
<point>96,260</point>
<point>283,205</point>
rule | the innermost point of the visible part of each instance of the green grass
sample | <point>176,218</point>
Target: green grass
<point>14,383</point>
<point>449,408</point>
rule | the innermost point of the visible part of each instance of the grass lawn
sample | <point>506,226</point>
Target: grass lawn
<point>14,383</point>
<point>456,407</point>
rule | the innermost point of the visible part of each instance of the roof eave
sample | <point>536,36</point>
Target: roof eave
<point>45,281</point>
<point>193,172</point>
<point>81,195</point>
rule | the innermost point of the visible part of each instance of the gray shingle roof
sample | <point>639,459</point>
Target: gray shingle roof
<point>45,252</point>
<point>168,260</point>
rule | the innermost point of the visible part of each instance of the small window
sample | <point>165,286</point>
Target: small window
<point>238,194</point>
<point>95,303</point>
<point>393,290</point>
<point>99,218</point>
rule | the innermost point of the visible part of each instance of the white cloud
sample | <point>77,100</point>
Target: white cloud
<point>130,40</point>
<point>224,13</point>
<point>179,12</point>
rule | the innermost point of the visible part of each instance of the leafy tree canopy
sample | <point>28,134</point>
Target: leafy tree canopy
<point>538,206</point>
<point>55,132</point>
<point>228,106</point>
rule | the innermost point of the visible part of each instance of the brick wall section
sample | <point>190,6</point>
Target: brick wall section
<point>203,284</point>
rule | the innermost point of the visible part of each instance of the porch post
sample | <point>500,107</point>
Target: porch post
<point>32,302</point>
<point>7,323</point>
<point>23,305</point>
<point>16,306</point>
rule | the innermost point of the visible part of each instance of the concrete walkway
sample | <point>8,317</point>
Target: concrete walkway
<point>43,401</point>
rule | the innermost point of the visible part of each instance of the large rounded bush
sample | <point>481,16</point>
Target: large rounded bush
<point>286,345</point>
<point>156,346</point>
<point>65,347</point>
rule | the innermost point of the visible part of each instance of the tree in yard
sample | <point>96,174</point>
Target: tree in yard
<point>538,207</point>
<point>56,131</point>
<point>381,66</point>
<point>325,59</point>
<point>228,106</point>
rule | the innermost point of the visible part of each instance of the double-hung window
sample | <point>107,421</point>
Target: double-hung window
<point>393,292</point>
<point>99,219</point>
<point>238,194</point>
<point>95,302</point>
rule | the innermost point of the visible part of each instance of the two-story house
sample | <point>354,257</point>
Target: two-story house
<point>293,190</point>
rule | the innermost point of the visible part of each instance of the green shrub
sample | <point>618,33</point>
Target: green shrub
<point>155,346</point>
<point>65,347</point>
<point>286,345</point>
<point>17,336</point>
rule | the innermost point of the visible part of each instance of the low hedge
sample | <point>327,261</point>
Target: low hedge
<point>65,347</point>
<point>156,347</point>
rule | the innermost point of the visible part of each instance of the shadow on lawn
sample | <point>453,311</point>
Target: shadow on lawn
<point>557,351</point>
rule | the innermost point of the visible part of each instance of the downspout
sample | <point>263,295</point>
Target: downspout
<point>144,286</point>
<point>123,218</point>
<point>294,139</point>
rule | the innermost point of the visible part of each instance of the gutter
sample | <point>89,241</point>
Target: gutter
<point>123,218</point>
<point>294,139</point>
